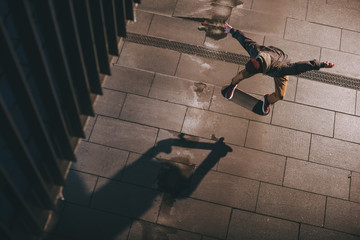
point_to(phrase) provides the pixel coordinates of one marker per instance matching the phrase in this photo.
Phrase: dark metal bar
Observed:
(15, 197)
(17, 146)
(120, 17)
(129, 9)
(40, 71)
(100, 35)
(69, 31)
(111, 29)
(86, 35)
(18, 84)
(61, 69)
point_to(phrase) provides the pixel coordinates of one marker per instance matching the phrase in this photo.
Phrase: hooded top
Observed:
(273, 61)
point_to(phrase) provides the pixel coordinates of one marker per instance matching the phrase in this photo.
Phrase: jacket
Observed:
(274, 61)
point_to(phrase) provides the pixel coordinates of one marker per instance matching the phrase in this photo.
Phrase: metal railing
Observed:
(54, 55)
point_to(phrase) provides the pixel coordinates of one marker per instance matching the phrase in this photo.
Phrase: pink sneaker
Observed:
(228, 92)
(266, 105)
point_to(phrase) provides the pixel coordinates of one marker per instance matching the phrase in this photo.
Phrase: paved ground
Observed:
(166, 157)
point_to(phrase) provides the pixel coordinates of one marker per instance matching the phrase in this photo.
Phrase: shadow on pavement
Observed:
(142, 184)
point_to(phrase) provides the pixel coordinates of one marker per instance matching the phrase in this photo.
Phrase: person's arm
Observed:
(248, 44)
(304, 66)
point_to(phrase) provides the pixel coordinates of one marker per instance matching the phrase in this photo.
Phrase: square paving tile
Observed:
(177, 29)
(308, 232)
(126, 200)
(291, 204)
(123, 135)
(137, 56)
(247, 226)
(166, 7)
(130, 80)
(317, 178)
(182, 91)
(207, 124)
(304, 118)
(287, 8)
(153, 112)
(206, 70)
(321, 95)
(355, 187)
(110, 103)
(85, 223)
(239, 192)
(349, 42)
(334, 152)
(254, 164)
(345, 127)
(304, 32)
(196, 216)
(100, 160)
(278, 140)
(343, 216)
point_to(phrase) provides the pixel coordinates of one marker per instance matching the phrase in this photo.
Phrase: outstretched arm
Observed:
(304, 66)
(248, 44)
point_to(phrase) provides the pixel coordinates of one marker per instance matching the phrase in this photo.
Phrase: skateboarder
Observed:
(271, 61)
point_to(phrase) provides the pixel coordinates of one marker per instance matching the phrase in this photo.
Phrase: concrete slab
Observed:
(144, 230)
(165, 7)
(278, 140)
(78, 222)
(195, 216)
(300, 206)
(130, 80)
(305, 32)
(182, 91)
(317, 178)
(100, 160)
(258, 22)
(240, 192)
(123, 135)
(126, 200)
(206, 70)
(142, 170)
(206, 124)
(153, 112)
(349, 42)
(287, 8)
(177, 29)
(304, 118)
(80, 187)
(136, 56)
(110, 103)
(343, 216)
(334, 152)
(344, 127)
(332, 15)
(308, 232)
(246, 225)
(322, 95)
(254, 164)
(142, 24)
(355, 187)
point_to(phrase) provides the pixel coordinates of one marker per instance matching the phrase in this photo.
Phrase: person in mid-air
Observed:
(270, 61)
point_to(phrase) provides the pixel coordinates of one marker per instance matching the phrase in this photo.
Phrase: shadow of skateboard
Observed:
(247, 101)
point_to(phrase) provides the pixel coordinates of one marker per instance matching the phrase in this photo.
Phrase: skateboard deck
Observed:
(247, 101)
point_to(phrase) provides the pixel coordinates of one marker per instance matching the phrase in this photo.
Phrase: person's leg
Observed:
(280, 89)
(228, 91)
(243, 74)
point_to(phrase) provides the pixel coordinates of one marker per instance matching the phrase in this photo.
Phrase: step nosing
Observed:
(324, 77)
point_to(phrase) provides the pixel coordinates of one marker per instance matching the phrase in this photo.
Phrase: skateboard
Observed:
(247, 101)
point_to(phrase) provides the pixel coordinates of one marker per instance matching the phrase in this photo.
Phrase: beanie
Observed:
(253, 66)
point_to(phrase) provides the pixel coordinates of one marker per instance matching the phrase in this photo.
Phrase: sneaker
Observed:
(228, 92)
(266, 105)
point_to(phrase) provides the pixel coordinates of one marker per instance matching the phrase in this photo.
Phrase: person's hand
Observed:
(328, 64)
(227, 27)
